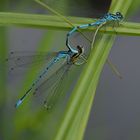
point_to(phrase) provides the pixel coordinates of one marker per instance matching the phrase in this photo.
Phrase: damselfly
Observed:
(105, 20)
(102, 21)
(109, 17)
(67, 58)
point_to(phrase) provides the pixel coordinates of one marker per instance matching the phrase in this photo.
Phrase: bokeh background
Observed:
(115, 113)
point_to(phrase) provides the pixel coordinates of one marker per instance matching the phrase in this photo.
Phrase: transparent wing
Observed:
(51, 89)
(86, 39)
(22, 60)
(53, 6)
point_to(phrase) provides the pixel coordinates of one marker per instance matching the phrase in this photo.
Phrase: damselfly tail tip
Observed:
(18, 103)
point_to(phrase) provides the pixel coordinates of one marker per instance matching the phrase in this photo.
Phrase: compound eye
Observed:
(118, 13)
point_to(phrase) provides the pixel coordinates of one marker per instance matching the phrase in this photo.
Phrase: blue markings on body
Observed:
(117, 17)
(72, 52)
(60, 55)
(18, 103)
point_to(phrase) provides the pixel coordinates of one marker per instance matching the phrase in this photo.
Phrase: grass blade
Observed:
(54, 22)
(78, 109)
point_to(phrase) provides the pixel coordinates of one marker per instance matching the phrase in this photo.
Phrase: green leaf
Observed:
(54, 22)
(76, 116)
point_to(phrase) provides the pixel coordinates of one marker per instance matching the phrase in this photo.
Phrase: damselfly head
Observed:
(119, 15)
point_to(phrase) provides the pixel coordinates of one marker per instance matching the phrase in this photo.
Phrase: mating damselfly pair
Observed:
(75, 55)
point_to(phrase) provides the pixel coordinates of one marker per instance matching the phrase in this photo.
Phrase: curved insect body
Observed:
(117, 17)
(68, 56)
(73, 54)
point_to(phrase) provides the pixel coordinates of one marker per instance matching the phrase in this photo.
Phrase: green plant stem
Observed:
(82, 97)
(54, 22)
